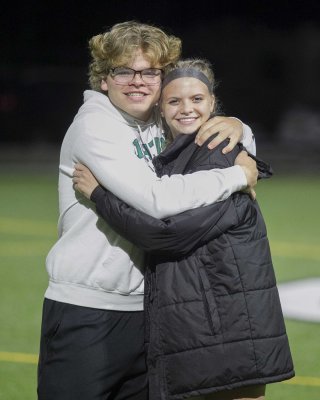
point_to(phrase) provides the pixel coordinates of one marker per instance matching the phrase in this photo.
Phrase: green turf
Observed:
(28, 218)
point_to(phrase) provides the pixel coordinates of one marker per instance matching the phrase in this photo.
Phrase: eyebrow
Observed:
(194, 95)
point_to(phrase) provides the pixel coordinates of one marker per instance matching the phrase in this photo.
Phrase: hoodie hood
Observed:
(147, 132)
(115, 112)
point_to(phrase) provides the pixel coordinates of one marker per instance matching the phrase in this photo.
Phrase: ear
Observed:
(213, 102)
(104, 85)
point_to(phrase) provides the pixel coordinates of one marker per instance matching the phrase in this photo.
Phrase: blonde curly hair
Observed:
(118, 47)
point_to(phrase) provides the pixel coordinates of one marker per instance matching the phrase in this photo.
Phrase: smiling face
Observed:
(135, 98)
(186, 104)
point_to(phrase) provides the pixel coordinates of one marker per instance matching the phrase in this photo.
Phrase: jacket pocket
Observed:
(209, 303)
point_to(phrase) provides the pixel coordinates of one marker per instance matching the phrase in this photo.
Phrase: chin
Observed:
(139, 114)
(190, 130)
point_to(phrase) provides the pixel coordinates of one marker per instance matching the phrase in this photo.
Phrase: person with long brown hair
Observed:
(214, 324)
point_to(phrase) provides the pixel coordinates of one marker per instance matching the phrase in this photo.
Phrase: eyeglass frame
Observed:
(111, 71)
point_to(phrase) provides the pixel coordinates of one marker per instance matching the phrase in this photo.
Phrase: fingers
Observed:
(249, 167)
(78, 166)
(252, 194)
(225, 128)
(80, 170)
(224, 133)
(75, 181)
(221, 137)
(83, 180)
(230, 146)
(211, 127)
(79, 184)
(77, 170)
(77, 176)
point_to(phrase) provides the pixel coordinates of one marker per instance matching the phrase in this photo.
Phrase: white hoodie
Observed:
(91, 265)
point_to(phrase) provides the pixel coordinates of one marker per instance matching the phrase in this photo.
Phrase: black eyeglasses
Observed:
(124, 75)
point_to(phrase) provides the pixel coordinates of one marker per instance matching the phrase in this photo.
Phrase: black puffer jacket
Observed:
(213, 315)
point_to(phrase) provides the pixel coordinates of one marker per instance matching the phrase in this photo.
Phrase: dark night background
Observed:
(266, 57)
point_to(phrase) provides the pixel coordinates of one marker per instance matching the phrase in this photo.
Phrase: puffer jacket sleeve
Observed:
(180, 234)
(177, 235)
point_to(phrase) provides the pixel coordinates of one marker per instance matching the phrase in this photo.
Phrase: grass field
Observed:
(28, 217)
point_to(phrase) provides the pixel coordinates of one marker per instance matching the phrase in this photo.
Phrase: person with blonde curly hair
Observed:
(92, 334)
(114, 48)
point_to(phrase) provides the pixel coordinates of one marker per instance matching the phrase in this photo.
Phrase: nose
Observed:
(186, 107)
(137, 79)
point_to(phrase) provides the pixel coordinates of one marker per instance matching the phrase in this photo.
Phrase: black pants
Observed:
(88, 354)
